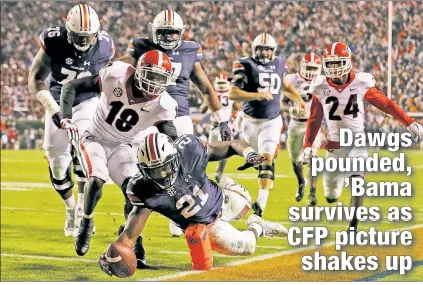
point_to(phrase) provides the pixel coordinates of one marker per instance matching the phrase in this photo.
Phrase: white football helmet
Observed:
(221, 82)
(158, 159)
(167, 29)
(264, 40)
(82, 25)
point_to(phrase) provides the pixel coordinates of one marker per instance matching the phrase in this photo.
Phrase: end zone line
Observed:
(259, 258)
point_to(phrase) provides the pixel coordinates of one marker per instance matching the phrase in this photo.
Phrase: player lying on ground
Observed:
(339, 97)
(132, 100)
(258, 82)
(73, 50)
(173, 182)
(310, 67)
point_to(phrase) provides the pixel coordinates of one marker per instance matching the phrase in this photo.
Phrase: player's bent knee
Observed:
(63, 185)
(266, 171)
(95, 183)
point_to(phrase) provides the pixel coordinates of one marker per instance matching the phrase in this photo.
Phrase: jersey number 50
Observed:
(269, 82)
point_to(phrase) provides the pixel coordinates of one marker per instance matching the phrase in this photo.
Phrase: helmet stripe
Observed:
(89, 18)
(312, 57)
(151, 146)
(156, 144)
(147, 149)
(264, 38)
(80, 15)
(332, 52)
(169, 16)
(85, 18)
(160, 56)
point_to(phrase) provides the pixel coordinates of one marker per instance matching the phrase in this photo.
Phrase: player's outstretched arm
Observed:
(314, 122)
(134, 225)
(69, 91)
(167, 128)
(39, 71)
(200, 79)
(238, 94)
(128, 59)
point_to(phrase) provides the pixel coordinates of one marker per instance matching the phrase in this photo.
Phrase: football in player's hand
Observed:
(122, 260)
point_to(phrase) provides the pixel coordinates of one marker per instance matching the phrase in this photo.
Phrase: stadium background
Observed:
(225, 31)
(32, 243)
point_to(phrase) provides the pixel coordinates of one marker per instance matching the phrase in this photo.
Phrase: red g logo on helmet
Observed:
(337, 60)
(153, 73)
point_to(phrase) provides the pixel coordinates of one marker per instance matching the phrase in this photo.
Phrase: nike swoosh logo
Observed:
(352, 89)
(145, 110)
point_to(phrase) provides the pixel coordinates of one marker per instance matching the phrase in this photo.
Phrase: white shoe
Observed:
(70, 229)
(79, 214)
(174, 230)
(269, 228)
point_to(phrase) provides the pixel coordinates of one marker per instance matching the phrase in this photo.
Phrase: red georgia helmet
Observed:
(340, 54)
(221, 82)
(153, 73)
(310, 66)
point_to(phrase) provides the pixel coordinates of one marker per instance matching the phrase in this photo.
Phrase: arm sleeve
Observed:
(383, 103)
(199, 54)
(167, 128)
(314, 122)
(131, 190)
(69, 91)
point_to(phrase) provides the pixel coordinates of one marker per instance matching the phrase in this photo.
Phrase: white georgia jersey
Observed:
(343, 106)
(303, 87)
(227, 105)
(120, 116)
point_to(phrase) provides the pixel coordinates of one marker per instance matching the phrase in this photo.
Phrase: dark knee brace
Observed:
(62, 186)
(266, 168)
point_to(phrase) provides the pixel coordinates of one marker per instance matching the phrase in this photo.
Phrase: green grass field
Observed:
(34, 248)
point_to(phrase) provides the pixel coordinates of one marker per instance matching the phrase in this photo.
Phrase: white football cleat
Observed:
(174, 230)
(79, 214)
(269, 228)
(70, 229)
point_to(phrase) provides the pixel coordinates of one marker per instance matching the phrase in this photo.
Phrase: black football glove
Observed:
(56, 119)
(225, 131)
(104, 264)
(252, 159)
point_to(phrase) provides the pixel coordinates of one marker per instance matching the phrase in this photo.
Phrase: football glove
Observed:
(306, 155)
(252, 159)
(416, 130)
(104, 264)
(71, 129)
(225, 131)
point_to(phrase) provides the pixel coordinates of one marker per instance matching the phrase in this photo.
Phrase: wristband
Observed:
(220, 116)
(44, 96)
(247, 151)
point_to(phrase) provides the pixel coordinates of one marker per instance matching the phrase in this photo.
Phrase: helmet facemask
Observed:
(163, 174)
(81, 41)
(264, 54)
(336, 67)
(310, 70)
(168, 39)
(221, 85)
(152, 80)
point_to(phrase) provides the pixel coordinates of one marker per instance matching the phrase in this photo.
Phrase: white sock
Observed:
(256, 228)
(88, 216)
(70, 203)
(80, 200)
(262, 197)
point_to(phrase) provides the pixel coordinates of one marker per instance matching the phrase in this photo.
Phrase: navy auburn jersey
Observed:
(183, 59)
(261, 77)
(192, 199)
(67, 63)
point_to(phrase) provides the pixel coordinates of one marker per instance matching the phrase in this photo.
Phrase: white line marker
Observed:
(49, 257)
(187, 253)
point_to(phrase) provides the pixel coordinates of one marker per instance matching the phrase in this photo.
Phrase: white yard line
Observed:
(257, 258)
(187, 253)
(49, 257)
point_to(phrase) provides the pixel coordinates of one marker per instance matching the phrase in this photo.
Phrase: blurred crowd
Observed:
(225, 30)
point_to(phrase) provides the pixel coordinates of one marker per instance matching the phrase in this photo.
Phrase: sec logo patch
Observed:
(117, 92)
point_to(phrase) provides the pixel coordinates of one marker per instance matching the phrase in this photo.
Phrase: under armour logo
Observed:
(272, 67)
(175, 52)
(87, 63)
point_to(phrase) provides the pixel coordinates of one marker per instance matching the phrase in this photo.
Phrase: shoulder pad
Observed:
(316, 82)
(118, 69)
(50, 39)
(239, 65)
(141, 42)
(167, 102)
(367, 79)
